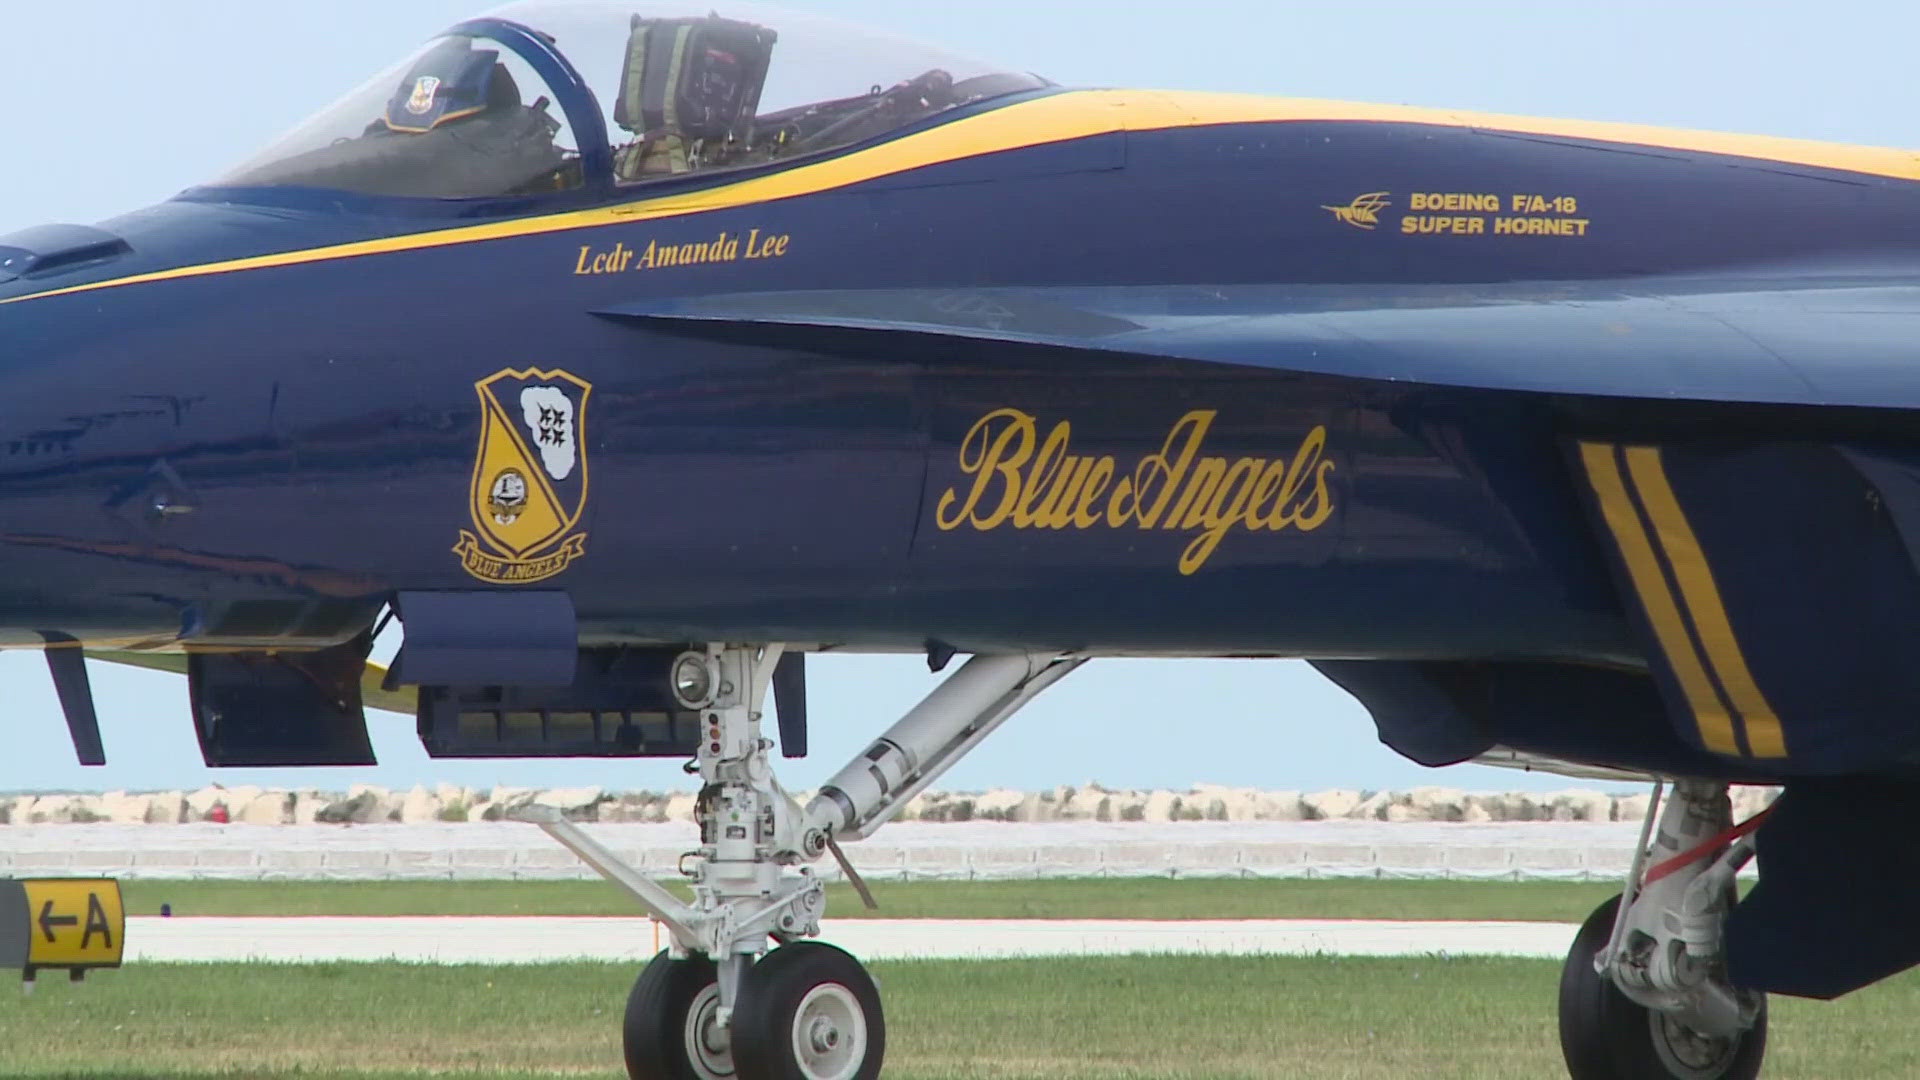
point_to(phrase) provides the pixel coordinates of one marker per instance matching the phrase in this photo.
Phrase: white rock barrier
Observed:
(368, 805)
(910, 851)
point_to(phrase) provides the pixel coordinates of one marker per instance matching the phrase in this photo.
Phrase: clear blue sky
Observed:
(119, 103)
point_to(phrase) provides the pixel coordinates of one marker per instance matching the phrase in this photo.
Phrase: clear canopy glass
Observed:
(671, 88)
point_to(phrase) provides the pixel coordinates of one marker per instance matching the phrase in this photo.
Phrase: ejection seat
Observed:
(688, 93)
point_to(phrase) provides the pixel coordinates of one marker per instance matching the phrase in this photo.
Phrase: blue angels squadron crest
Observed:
(529, 485)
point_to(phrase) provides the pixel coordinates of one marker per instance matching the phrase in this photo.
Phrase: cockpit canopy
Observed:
(553, 96)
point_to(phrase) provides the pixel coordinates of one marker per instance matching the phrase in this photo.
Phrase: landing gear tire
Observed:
(808, 1011)
(1607, 1036)
(671, 1030)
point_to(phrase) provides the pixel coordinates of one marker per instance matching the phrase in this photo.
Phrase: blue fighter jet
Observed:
(630, 353)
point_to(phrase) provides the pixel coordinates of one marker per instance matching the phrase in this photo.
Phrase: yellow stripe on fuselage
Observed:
(1701, 595)
(1209, 109)
(1052, 119)
(1643, 568)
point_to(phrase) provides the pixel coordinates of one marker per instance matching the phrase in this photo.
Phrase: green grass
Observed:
(1173, 1018)
(1111, 898)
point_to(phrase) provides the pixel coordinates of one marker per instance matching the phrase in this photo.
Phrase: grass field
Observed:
(1432, 1019)
(1111, 898)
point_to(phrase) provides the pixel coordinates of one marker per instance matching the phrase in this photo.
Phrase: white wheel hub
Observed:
(1687, 1053)
(708, 1048)
(829, 1033)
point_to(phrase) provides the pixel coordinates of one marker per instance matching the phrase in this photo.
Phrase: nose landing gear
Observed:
(718, 1003)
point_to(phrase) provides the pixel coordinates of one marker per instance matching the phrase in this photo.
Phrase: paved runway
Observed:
(525, 940)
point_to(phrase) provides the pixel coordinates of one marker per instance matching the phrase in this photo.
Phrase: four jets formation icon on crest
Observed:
(529, 477)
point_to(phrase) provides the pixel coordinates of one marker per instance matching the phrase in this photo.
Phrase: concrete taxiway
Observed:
(526, 940)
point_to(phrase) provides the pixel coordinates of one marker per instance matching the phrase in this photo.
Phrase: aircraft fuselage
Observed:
(309, 420)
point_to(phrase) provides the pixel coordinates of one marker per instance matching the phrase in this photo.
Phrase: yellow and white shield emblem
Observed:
(420, 102)
(529, 477)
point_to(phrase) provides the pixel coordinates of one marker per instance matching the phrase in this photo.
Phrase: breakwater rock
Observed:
(368, 805)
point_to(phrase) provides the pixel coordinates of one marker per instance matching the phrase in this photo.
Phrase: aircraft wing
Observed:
(1837, 338)
(1755, 647)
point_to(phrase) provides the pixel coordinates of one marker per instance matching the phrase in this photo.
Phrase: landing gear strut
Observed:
(721, 1002)
(1644, 994)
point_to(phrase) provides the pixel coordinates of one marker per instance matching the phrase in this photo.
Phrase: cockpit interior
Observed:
(547, 97)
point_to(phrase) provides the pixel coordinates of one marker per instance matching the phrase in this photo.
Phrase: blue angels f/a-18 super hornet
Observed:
(627, 355)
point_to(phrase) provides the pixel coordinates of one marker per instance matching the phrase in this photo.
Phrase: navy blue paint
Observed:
(260, 709)
(1446, 712)
(44, 249)
(487, 637)
(68, 667)
(1819, 868)
(1824, 608)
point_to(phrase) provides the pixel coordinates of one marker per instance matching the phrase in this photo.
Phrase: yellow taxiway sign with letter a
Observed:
(63, 923)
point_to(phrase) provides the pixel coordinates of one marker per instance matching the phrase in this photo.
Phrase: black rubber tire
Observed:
(1604, 1035)
(654, 1033)
(770, 999)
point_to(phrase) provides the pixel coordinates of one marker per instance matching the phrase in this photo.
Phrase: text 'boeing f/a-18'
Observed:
(627, 356)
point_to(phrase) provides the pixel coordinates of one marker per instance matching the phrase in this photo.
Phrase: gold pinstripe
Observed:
(1058, 118)
(1701, 596)
(1709, 715)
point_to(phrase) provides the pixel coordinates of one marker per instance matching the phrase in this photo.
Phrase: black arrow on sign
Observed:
(48, 920)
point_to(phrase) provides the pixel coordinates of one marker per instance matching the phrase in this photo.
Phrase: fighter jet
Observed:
(629, 353)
